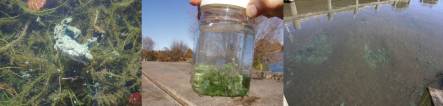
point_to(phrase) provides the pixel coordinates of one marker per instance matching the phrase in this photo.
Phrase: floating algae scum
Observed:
(373, 52)
(69, 52)
(65, 36)
(316, 52)
(376, 58)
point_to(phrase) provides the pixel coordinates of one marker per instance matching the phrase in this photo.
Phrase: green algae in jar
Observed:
(224, 49)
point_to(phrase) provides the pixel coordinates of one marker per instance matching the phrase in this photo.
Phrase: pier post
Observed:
(293, 8)
(330, 10)
(356, 9)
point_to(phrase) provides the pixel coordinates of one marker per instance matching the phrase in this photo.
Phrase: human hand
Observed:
(268, 8)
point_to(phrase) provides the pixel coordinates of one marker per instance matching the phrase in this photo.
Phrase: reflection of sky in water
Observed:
(379, 55)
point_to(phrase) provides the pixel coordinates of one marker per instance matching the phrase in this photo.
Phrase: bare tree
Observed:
(268, 42)
(178, 51)
(148, 43)
(148, 49)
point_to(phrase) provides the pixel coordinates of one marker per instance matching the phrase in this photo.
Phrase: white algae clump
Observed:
(65, 41)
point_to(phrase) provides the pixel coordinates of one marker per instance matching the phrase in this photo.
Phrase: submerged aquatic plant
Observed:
(315, 52)
(376, 58)
(226, 81)
(36, 69)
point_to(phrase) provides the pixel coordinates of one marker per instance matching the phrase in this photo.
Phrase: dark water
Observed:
(382, 53)
(70, 52)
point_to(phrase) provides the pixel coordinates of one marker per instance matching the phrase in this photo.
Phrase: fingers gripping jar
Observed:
(224, 49)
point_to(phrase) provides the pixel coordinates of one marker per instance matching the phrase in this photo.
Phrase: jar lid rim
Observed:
(240, 3)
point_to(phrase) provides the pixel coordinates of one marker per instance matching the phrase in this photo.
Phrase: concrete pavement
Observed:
(168, 84)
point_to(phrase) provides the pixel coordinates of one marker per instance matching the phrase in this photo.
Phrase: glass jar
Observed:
(224, 51)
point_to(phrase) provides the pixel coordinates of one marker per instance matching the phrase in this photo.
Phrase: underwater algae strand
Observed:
(69, 52)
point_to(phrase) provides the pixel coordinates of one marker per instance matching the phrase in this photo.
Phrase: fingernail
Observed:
(251, 11)
(195, 2)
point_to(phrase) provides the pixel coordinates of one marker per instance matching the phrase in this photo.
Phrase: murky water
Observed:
(70, 52)
(379, 53)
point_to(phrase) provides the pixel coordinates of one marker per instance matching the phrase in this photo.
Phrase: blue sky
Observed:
(168, 20)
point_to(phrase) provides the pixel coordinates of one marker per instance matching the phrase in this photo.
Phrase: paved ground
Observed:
(168, 84)
(154, 95)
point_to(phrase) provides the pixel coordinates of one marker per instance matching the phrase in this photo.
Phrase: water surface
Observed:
(362, 52)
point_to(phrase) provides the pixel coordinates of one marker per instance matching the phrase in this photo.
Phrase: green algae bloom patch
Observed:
(315, 52)
(376, 58)
(225, 81)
